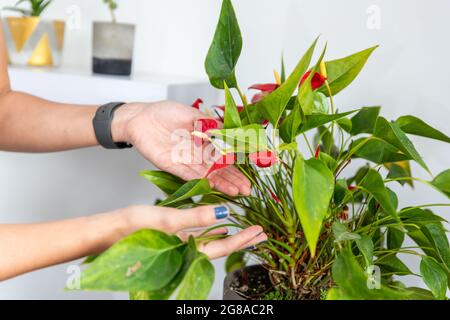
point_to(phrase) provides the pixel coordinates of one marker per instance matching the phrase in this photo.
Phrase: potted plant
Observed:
(113, 45)
(32, 40)
(331, 235)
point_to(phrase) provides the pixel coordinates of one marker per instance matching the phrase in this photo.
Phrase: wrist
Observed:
(120, 126)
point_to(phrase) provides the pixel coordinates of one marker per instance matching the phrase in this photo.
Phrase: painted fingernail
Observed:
(251, 248)
(221, 212)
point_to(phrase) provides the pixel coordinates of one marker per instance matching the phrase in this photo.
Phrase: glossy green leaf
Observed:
(354, 282)
(415, 126)
(401, 169)
(442, 182)
(231, 117)
(235, 261)
(250, 138)
(390, 263)
(167, 182)
(144, 261)
(373, 184)
(273, 105)
(188, 190)
(341, 233)
(290, 125)
(342, 72)
(434, 277)
(394, 238)
(365, 246)
(345, 124)
(316, 120)
(313, 185)
(377, 150)
(225, 49)
(364, 121)
(306, 93)
(391, 133)
(320, 103)
(198, 281)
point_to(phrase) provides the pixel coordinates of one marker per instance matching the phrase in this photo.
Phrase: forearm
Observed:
(25, 248)
(31, 124)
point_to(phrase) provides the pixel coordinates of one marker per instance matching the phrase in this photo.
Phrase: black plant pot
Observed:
(113, 46)
(249, 283)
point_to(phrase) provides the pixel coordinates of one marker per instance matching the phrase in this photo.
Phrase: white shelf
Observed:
(81, 86)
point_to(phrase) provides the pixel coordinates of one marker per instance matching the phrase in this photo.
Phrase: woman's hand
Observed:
(156, 129)
(182, 223)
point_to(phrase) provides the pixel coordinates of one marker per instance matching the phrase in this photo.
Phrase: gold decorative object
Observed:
(33, 41)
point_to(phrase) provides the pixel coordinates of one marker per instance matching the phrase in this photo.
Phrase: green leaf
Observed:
(320, 103)
(235, 261)
(395, 238)
(391, 133)
(345, 124)
(306, 93)
(401, 169)
(415, 126)
(231, 116)
(434, 277)
(341, 233)
(316, 120)
(225, 49)
(364, 121)
(353, 281)
(373, 184)
(313, 185)
(248, 139)
(167, 182)
(188, 190)
(391, 264)
(290, 125)
(273, 105)
(198, 280)
(377, 150)
(343, 71)
(365, 245)
(146, 260)
(442, 182)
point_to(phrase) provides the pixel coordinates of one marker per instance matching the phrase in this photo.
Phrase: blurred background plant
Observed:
(35, 7)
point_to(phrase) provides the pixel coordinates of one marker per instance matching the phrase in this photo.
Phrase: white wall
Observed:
(407, 74)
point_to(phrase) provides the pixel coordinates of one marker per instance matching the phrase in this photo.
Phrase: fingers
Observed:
(230, 181)
(184, 235)
(246, 238)
(204, 216)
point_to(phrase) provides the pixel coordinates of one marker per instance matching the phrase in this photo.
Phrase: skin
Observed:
(31, 124)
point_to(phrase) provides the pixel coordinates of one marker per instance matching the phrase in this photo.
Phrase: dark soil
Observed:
(253, 283)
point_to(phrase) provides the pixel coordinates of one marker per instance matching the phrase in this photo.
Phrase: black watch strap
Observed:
(102, 126)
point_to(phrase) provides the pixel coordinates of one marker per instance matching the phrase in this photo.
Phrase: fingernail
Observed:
(221, 212)
(251, 248)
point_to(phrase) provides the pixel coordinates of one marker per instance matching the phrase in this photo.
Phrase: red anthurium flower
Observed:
(316, 155)
(266, 87)
(239, 108)
(197, 103)
(351, 188)
(317, 80)
(223, 162)
(274, 196)
(263, 159)
(203, 125)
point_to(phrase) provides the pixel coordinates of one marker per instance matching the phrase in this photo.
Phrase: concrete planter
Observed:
(33, 41)
(113, 46)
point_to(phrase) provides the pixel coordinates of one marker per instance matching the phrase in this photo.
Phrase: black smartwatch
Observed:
(102, 126)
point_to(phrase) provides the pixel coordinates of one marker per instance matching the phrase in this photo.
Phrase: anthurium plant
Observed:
(331, 235)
